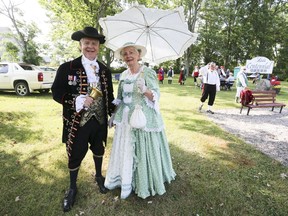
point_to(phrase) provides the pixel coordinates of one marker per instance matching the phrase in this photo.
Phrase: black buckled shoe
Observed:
(100, 182)
(69, 199)
(210, 111)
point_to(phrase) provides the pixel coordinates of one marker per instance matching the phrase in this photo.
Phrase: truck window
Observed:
(3, 68)
(26, 67)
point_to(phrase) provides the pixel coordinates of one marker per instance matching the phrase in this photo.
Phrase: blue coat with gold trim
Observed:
(70, 82)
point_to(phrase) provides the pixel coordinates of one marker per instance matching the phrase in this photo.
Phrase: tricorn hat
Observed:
(89, 32)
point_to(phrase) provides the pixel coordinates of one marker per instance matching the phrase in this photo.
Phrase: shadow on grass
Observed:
(237, 180)
(203, 185)
(15, 126)
(26, 188)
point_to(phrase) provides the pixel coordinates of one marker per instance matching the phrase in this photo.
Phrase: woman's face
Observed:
(89, 47)
(130, 55)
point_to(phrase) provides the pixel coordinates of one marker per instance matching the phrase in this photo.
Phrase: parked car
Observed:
(46, 68)
(25, 78)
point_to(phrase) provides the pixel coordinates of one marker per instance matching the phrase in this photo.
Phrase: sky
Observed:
(32, 12)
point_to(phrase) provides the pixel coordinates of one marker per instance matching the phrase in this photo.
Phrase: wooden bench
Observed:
(263, 99)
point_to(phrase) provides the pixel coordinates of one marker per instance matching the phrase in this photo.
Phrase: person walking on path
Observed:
(211, 86)
(84, 88)
(140, 158)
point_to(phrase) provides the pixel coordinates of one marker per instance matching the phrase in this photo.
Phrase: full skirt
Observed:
(140, 161)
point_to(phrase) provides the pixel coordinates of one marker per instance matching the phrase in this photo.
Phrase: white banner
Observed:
(260, 65)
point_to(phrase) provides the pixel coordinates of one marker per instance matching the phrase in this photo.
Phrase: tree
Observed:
(230, 31)
(233, 31)
(281, 50)
(191, 10)
(71, 15)
(11, 52)
(26, 32)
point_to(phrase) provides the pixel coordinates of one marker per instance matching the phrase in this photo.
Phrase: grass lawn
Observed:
(217, 173)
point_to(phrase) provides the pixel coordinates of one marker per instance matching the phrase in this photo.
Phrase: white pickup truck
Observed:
(24, 78)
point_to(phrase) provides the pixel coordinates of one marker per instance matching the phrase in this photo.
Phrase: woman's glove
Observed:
(141, 85)
(110, 121)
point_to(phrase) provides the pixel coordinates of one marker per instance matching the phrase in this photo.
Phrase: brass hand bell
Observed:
(95, 93)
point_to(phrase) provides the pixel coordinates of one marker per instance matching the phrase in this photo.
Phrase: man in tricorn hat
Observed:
(84, 88)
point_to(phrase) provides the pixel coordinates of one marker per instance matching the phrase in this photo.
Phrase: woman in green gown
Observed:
(140, 159)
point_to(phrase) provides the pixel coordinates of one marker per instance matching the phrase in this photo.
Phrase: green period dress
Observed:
(140, 159)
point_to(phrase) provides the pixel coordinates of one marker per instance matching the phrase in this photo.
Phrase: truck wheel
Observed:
(21, 89)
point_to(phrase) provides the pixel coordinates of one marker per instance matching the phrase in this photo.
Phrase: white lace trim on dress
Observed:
(153, 104)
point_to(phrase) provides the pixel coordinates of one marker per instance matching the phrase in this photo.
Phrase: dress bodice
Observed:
(130, 96)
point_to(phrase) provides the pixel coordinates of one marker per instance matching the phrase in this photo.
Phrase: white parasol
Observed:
(164, 33)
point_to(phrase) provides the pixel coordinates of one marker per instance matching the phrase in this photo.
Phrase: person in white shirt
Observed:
(202, 72)
(211, 83)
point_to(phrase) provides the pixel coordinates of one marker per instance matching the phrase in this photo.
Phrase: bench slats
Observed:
(266, 105)
(259, 101)
(263, 99)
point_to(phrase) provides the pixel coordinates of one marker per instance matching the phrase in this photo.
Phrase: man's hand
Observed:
(88, 101)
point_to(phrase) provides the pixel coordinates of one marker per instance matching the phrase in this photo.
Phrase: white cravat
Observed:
(92, 69)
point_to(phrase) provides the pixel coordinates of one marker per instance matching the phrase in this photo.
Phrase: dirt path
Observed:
(270, 129)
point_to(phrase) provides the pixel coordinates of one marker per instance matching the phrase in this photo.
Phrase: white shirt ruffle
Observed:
(92, 77)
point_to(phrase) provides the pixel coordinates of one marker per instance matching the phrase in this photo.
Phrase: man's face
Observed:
(89, 47)
(212, 67)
